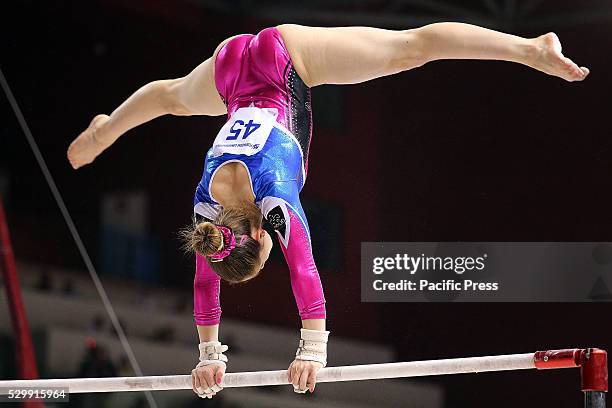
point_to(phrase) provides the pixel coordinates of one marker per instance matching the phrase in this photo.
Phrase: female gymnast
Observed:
(259, 159)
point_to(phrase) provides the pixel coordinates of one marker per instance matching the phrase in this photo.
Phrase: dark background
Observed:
(452, 151)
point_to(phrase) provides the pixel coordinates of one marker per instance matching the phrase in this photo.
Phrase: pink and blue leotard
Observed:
(254, 73)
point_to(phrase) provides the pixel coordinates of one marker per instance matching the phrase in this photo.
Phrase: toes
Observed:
(585, 71)
(579, 74)
(571, 66)
(573, 70)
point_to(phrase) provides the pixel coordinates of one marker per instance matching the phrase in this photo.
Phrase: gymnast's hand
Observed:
(88, 145)
(303, 375)
(310, 357)
(206, 377)
(205, 380)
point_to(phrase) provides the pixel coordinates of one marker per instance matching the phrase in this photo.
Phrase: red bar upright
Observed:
(24, 350)
(594, 370)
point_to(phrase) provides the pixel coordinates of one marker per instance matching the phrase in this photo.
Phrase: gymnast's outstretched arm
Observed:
(349, 55)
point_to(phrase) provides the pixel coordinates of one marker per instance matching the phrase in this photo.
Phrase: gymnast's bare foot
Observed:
(86, 147)
(549, 59)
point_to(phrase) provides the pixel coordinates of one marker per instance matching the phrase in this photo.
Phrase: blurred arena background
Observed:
(452, 151)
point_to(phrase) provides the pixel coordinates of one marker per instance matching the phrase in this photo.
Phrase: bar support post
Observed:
(594, 375)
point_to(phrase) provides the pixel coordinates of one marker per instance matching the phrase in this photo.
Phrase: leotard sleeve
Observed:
(284, 212)
(206, 290)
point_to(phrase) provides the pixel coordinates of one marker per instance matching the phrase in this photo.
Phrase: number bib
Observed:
(246, 132)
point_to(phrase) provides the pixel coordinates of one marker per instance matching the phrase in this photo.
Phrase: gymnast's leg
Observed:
(193, 94)
(349, 55)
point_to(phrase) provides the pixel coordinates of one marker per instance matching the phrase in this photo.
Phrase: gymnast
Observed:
(258, 162)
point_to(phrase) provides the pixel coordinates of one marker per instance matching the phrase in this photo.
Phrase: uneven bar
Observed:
(592, 362)
(262, 378)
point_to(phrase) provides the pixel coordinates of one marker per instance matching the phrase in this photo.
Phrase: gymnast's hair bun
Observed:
(204, 238)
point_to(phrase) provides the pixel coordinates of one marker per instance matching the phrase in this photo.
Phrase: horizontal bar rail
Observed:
(595, 376)
(279, 377)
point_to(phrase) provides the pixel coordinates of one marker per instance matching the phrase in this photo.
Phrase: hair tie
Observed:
(229, 243)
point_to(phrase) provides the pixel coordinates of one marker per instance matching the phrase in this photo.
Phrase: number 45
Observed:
(239, 126)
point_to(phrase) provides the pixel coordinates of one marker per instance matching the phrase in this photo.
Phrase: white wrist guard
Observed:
(313, 346)
(211, 352)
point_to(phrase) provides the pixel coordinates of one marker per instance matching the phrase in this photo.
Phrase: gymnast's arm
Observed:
(194, 94)
(207, 313)
(284, 212)
(288, 219)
